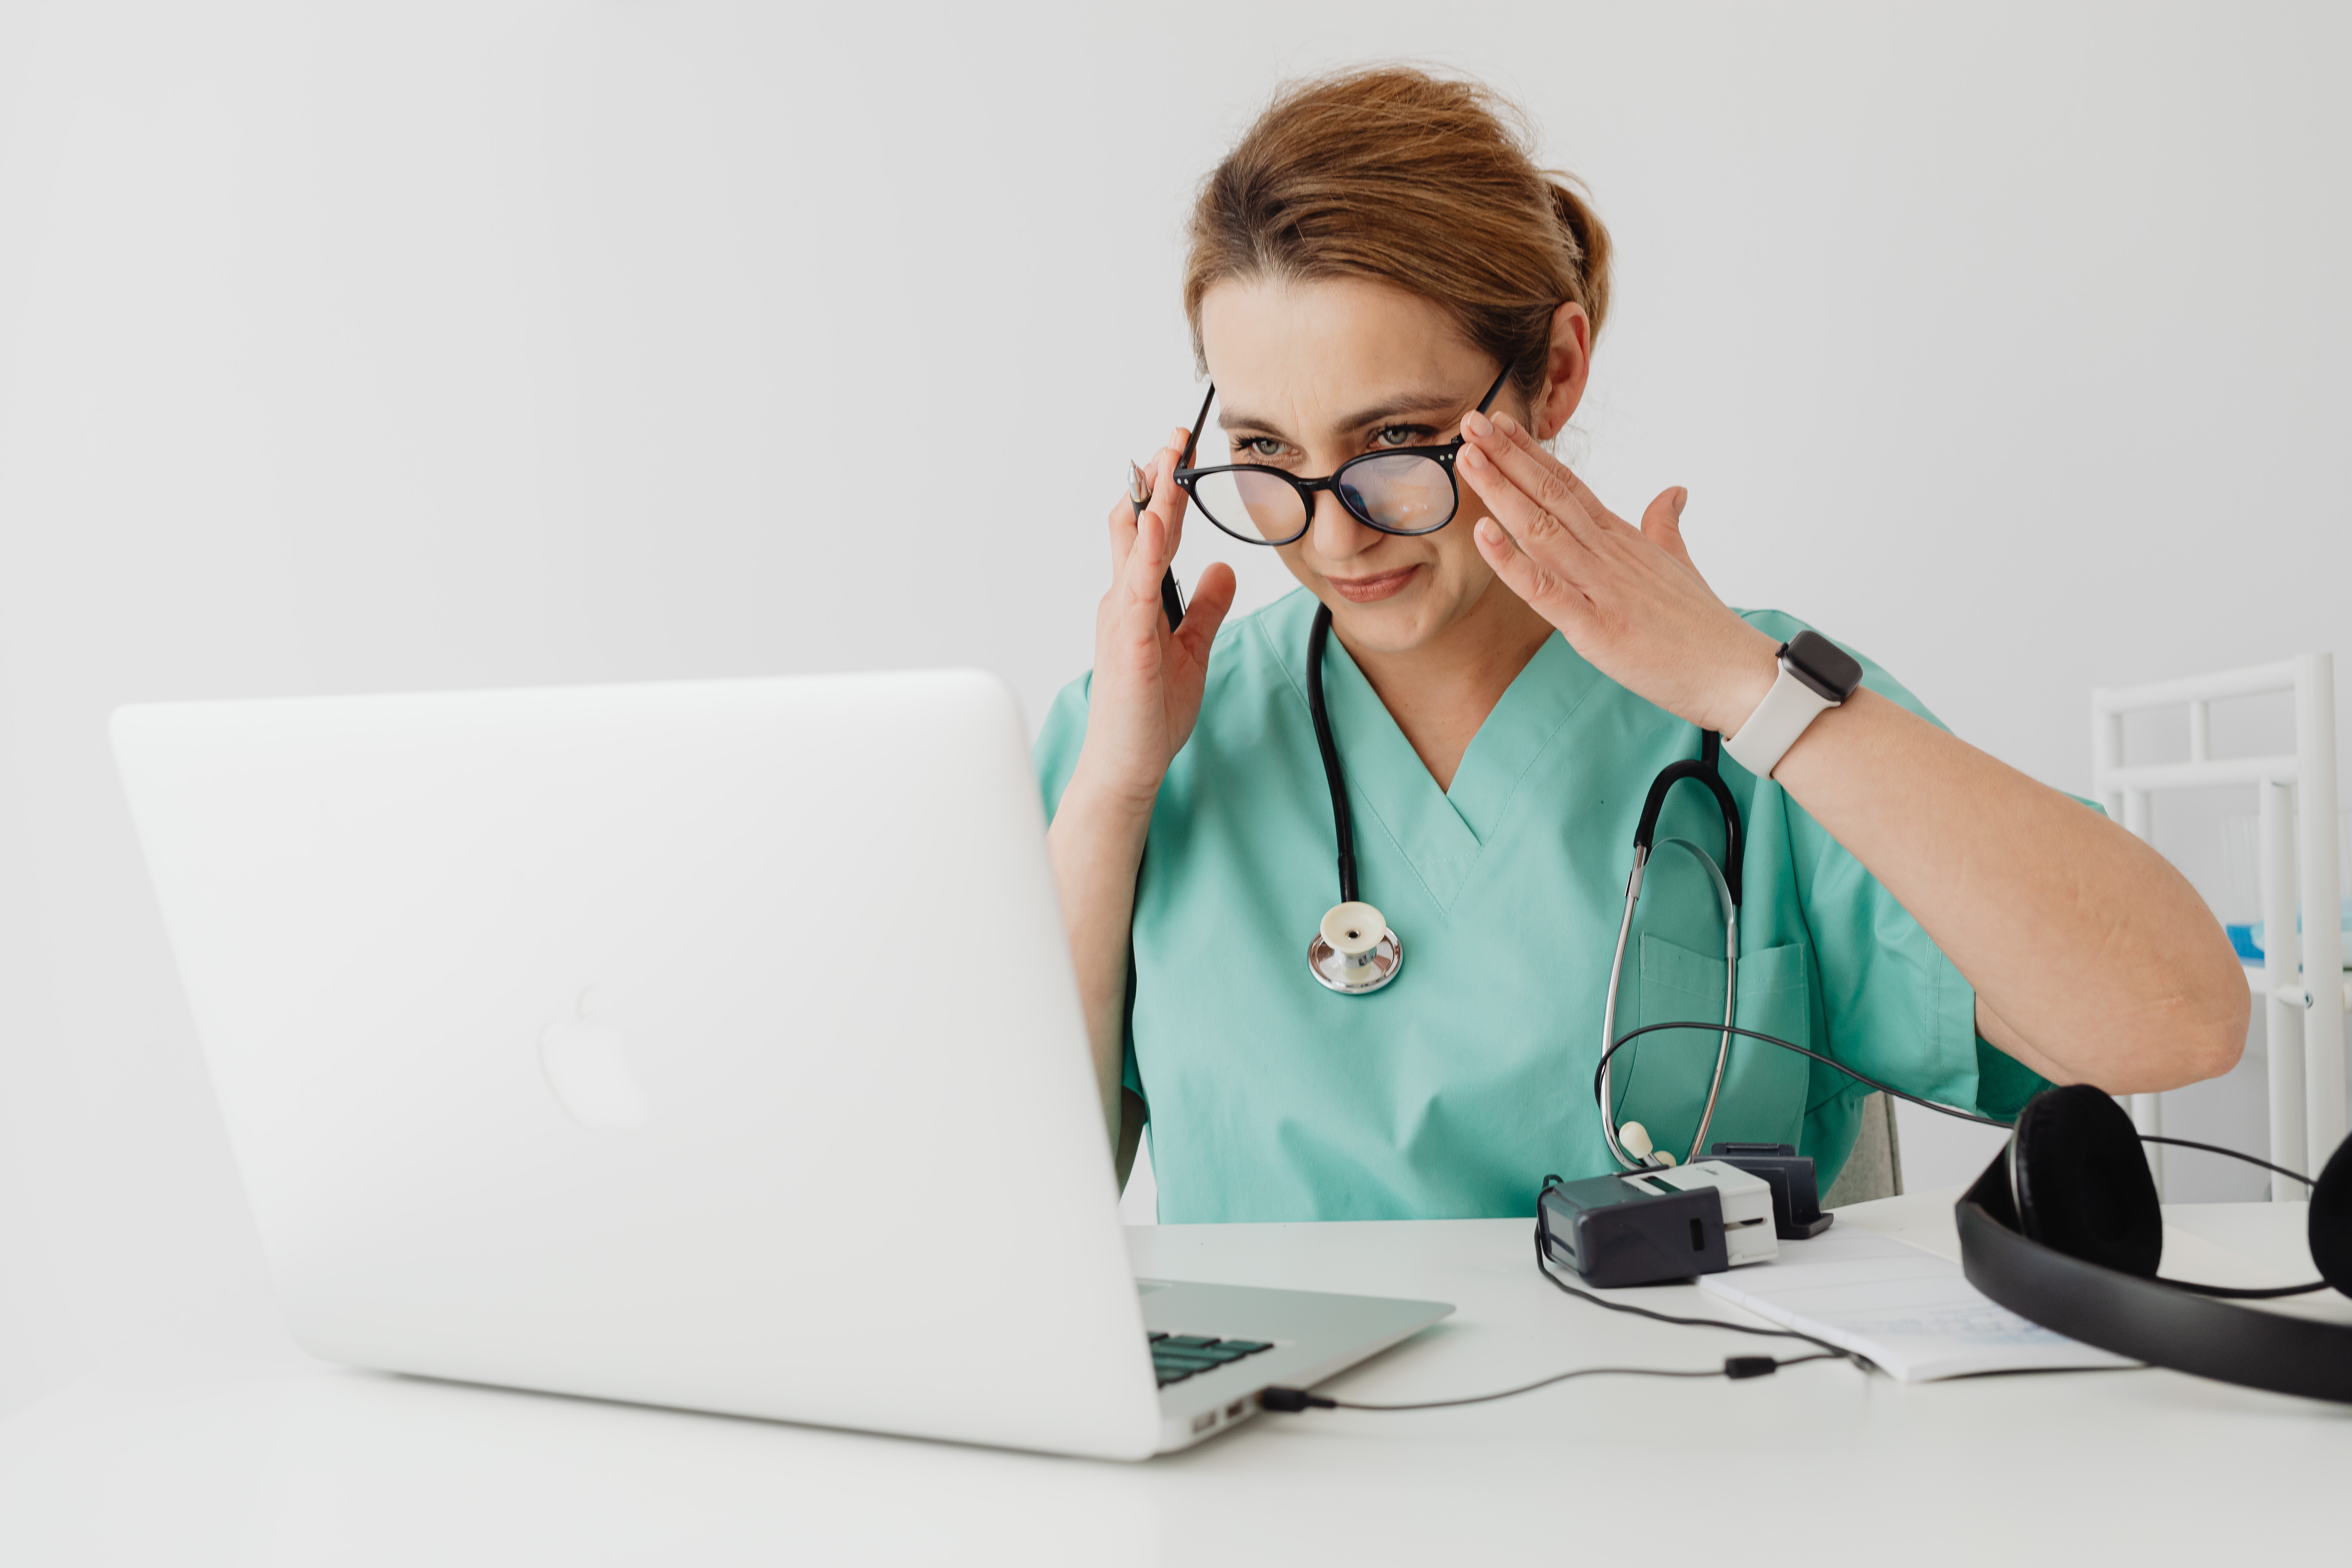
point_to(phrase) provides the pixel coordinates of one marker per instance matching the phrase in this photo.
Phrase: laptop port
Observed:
(1204, 1421)
(1234, 1411)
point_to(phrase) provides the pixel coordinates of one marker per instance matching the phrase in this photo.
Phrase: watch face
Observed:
(1821, 665)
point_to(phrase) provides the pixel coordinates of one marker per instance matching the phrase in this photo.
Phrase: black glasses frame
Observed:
(1188, 476)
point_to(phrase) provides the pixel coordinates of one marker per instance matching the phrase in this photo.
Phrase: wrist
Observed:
(1804, 748)
(1740, 687)
(1114, 794)
(1814, 677)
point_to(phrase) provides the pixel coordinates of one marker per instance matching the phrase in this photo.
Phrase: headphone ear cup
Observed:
(2082, 1184)
(2331, 1220)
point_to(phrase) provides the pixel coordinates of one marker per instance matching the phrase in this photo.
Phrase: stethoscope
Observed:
(1354, 952)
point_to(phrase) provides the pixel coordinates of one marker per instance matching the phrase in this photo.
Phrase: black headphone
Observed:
(2064, 1228)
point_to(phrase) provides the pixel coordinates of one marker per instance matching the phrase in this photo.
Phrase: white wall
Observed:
(432, 345)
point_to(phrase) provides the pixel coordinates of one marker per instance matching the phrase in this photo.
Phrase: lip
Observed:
(1380, 586)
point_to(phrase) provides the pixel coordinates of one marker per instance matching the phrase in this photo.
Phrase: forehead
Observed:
(1306, 354)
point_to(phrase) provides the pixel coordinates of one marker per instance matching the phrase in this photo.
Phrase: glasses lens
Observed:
(1402, 494)
(1256, 507)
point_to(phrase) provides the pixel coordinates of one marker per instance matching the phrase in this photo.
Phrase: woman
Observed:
(1373, 256)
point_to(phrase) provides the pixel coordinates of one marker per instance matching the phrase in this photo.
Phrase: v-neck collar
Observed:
(1439, 833)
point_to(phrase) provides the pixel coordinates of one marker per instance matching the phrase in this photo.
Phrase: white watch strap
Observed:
(1775, 725)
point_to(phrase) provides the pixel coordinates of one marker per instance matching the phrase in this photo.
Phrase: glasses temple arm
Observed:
(1485, 402)
(1193, 436)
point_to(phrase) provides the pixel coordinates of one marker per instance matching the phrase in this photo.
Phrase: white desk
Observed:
(229, 1446)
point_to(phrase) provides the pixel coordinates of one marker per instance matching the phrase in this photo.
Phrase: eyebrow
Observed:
(1414, 402)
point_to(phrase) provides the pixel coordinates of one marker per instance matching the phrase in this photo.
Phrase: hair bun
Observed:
(1424, 181)
(1592, 244)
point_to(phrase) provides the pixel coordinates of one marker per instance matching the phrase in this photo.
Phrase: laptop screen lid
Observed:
(710, 1045)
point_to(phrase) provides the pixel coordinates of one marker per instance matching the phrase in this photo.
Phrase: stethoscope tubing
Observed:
(1616, 972)
(1704, 769)
(2226, 1292)
(1726, 887)
(1342, 821)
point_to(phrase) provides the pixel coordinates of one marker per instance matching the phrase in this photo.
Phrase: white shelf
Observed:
(2254, 983)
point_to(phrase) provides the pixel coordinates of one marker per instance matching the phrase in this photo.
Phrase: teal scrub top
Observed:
(1454, 1089)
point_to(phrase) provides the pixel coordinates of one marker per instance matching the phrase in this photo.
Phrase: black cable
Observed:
(2222, 1292)
(1290, 1400)
(2230, 1153)
(1736, 1368)
(1543, 1264)
(1721, 1028)
(2239, 1293)
(1718, 1029)
(2235, 1292)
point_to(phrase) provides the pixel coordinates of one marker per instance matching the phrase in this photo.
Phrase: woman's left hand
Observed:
(2125, 982)
(1627, 598)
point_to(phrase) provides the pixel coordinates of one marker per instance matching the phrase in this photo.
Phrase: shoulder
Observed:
(1782, 626)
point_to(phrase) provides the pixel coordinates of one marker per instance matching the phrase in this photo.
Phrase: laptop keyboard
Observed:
(1175, 1357)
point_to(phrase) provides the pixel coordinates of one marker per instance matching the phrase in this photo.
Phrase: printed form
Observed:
(1910, 1311)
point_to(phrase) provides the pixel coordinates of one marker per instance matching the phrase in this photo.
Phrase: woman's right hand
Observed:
(1140, 707)
(1146, 692)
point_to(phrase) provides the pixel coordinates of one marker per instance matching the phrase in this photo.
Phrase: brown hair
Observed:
(1394, 175)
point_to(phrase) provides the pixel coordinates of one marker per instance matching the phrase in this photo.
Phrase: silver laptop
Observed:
(709, 1045)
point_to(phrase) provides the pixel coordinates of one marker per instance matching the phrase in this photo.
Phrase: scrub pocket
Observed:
(1764, 1087)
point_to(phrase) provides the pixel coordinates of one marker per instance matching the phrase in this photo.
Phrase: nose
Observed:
(1337, 533)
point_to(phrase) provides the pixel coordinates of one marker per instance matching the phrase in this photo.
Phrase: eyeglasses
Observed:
(1406, 489)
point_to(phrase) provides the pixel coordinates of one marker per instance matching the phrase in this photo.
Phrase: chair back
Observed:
(1874, 1169)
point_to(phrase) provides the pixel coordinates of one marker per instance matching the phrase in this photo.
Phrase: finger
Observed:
(1534, 528)
(1520, 437)
(1168, 498)
(1663, 526)
(1139, 577)
(1560, 600)
(1552, 483)
(1212, 596)
(1123, 521)
(1544, 476)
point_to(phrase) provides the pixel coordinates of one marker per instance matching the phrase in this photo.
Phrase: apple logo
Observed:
(583, 1058)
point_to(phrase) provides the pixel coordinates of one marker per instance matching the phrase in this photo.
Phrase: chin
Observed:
(1397, 624)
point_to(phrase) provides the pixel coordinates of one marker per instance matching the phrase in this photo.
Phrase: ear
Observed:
(1566, 368)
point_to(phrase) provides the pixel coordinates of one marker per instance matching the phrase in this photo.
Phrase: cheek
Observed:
(1292, 558)
(1458, 561)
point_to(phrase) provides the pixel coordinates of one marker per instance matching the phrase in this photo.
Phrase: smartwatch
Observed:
(1815, 675)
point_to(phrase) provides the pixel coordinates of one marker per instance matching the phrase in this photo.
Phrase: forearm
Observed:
(2092, 959)
(1096, 843)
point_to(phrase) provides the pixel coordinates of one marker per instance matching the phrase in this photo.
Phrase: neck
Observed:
(1440, 692)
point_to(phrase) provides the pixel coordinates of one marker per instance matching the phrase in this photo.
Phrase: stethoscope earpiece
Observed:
(1354, 951)
(1635, 1139)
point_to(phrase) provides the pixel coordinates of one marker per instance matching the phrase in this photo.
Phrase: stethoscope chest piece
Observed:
(1354, 951)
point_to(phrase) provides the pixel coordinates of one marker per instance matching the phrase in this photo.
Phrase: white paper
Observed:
(1913, 1313)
